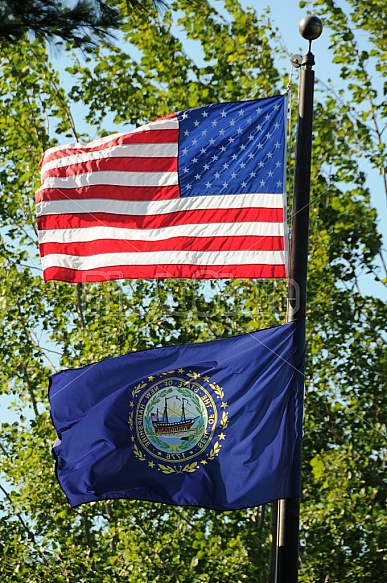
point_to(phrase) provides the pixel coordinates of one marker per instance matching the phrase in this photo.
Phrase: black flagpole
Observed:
(288, 515)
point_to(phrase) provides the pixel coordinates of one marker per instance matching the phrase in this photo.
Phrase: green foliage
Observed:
(49, 326)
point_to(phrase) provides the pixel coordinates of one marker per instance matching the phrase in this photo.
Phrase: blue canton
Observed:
(232, 148)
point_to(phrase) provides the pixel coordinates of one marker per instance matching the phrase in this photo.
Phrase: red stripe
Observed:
(253, 243)
(140, 137)
(130, 164)
(165, 271)
(110, 192)
(79, 221)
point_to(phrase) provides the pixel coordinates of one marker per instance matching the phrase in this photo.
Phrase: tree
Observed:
(84, 23)
(87, 21)
(54, 325)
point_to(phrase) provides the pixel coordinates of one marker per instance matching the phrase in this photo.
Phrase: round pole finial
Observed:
(310, 27)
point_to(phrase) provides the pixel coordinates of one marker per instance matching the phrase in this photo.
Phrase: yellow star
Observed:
(150, 378)
(222, 436)
(151, 464)
(204, 462)
(132, 438)
(131, 404)
(206, 378)
(224, 405)
(181, 370)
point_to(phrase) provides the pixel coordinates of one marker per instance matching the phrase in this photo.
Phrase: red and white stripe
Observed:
(111, 209)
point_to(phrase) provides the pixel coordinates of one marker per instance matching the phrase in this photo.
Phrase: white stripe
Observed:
(112, 178)
(166, 150)
(155, 207)
(200, 258)
(193, 230)
(162, 124)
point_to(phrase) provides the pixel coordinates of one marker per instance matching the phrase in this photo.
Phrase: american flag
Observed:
(196, 194)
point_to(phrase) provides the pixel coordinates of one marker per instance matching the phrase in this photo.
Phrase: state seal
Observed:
(177, 420)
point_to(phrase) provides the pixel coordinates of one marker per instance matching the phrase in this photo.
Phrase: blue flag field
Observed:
(215, 424)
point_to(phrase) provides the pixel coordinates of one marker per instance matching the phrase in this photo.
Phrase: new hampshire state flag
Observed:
(215, 424)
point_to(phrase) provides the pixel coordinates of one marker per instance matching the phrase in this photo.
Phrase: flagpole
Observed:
(288, 514)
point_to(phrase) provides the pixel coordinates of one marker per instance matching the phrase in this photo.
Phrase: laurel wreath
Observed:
(215, 451)
(138, 453)
(217, 390)
(138, 388)
(130, 420)
(193, 375)
(172, 469)
(163, 374)
(224, 420)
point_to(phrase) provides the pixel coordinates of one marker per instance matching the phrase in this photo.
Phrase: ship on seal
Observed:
(163, 425)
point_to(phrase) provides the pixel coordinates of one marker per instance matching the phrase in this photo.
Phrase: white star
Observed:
(225, 166)
(242, 147)
(233, 175)
(223, 148)
(184, 152)
(234, 157)
(261, 164)
(270, 174)
(277, 145)
(204, 114)
(221, 132)
(225, 184)
(214, 157)
(208, 185)
(186, 133)
(206, 167)
(198, 176)
(279, 184)
(277, 126)
(194, 160)
(251, 137)
(196, 123)
(184, 115)
(251, 156)
(277, 106)
(231, 140)
(267, 117)
(269, 154)
(211, 141)
(185, 170)
(232, 122)
(262, 183)
(260, 146)
(253, 174)
(241, 112)
(203, 151)
(242, 165)
(194, 142)
(258, 127)
(204, 132)
(239, 131)
(278, 164)
(217, 175)
(258, 110)
(214, 123)
(268, 136)
(244, 184)
(249, 119)
(223, 114)
(189, 186)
